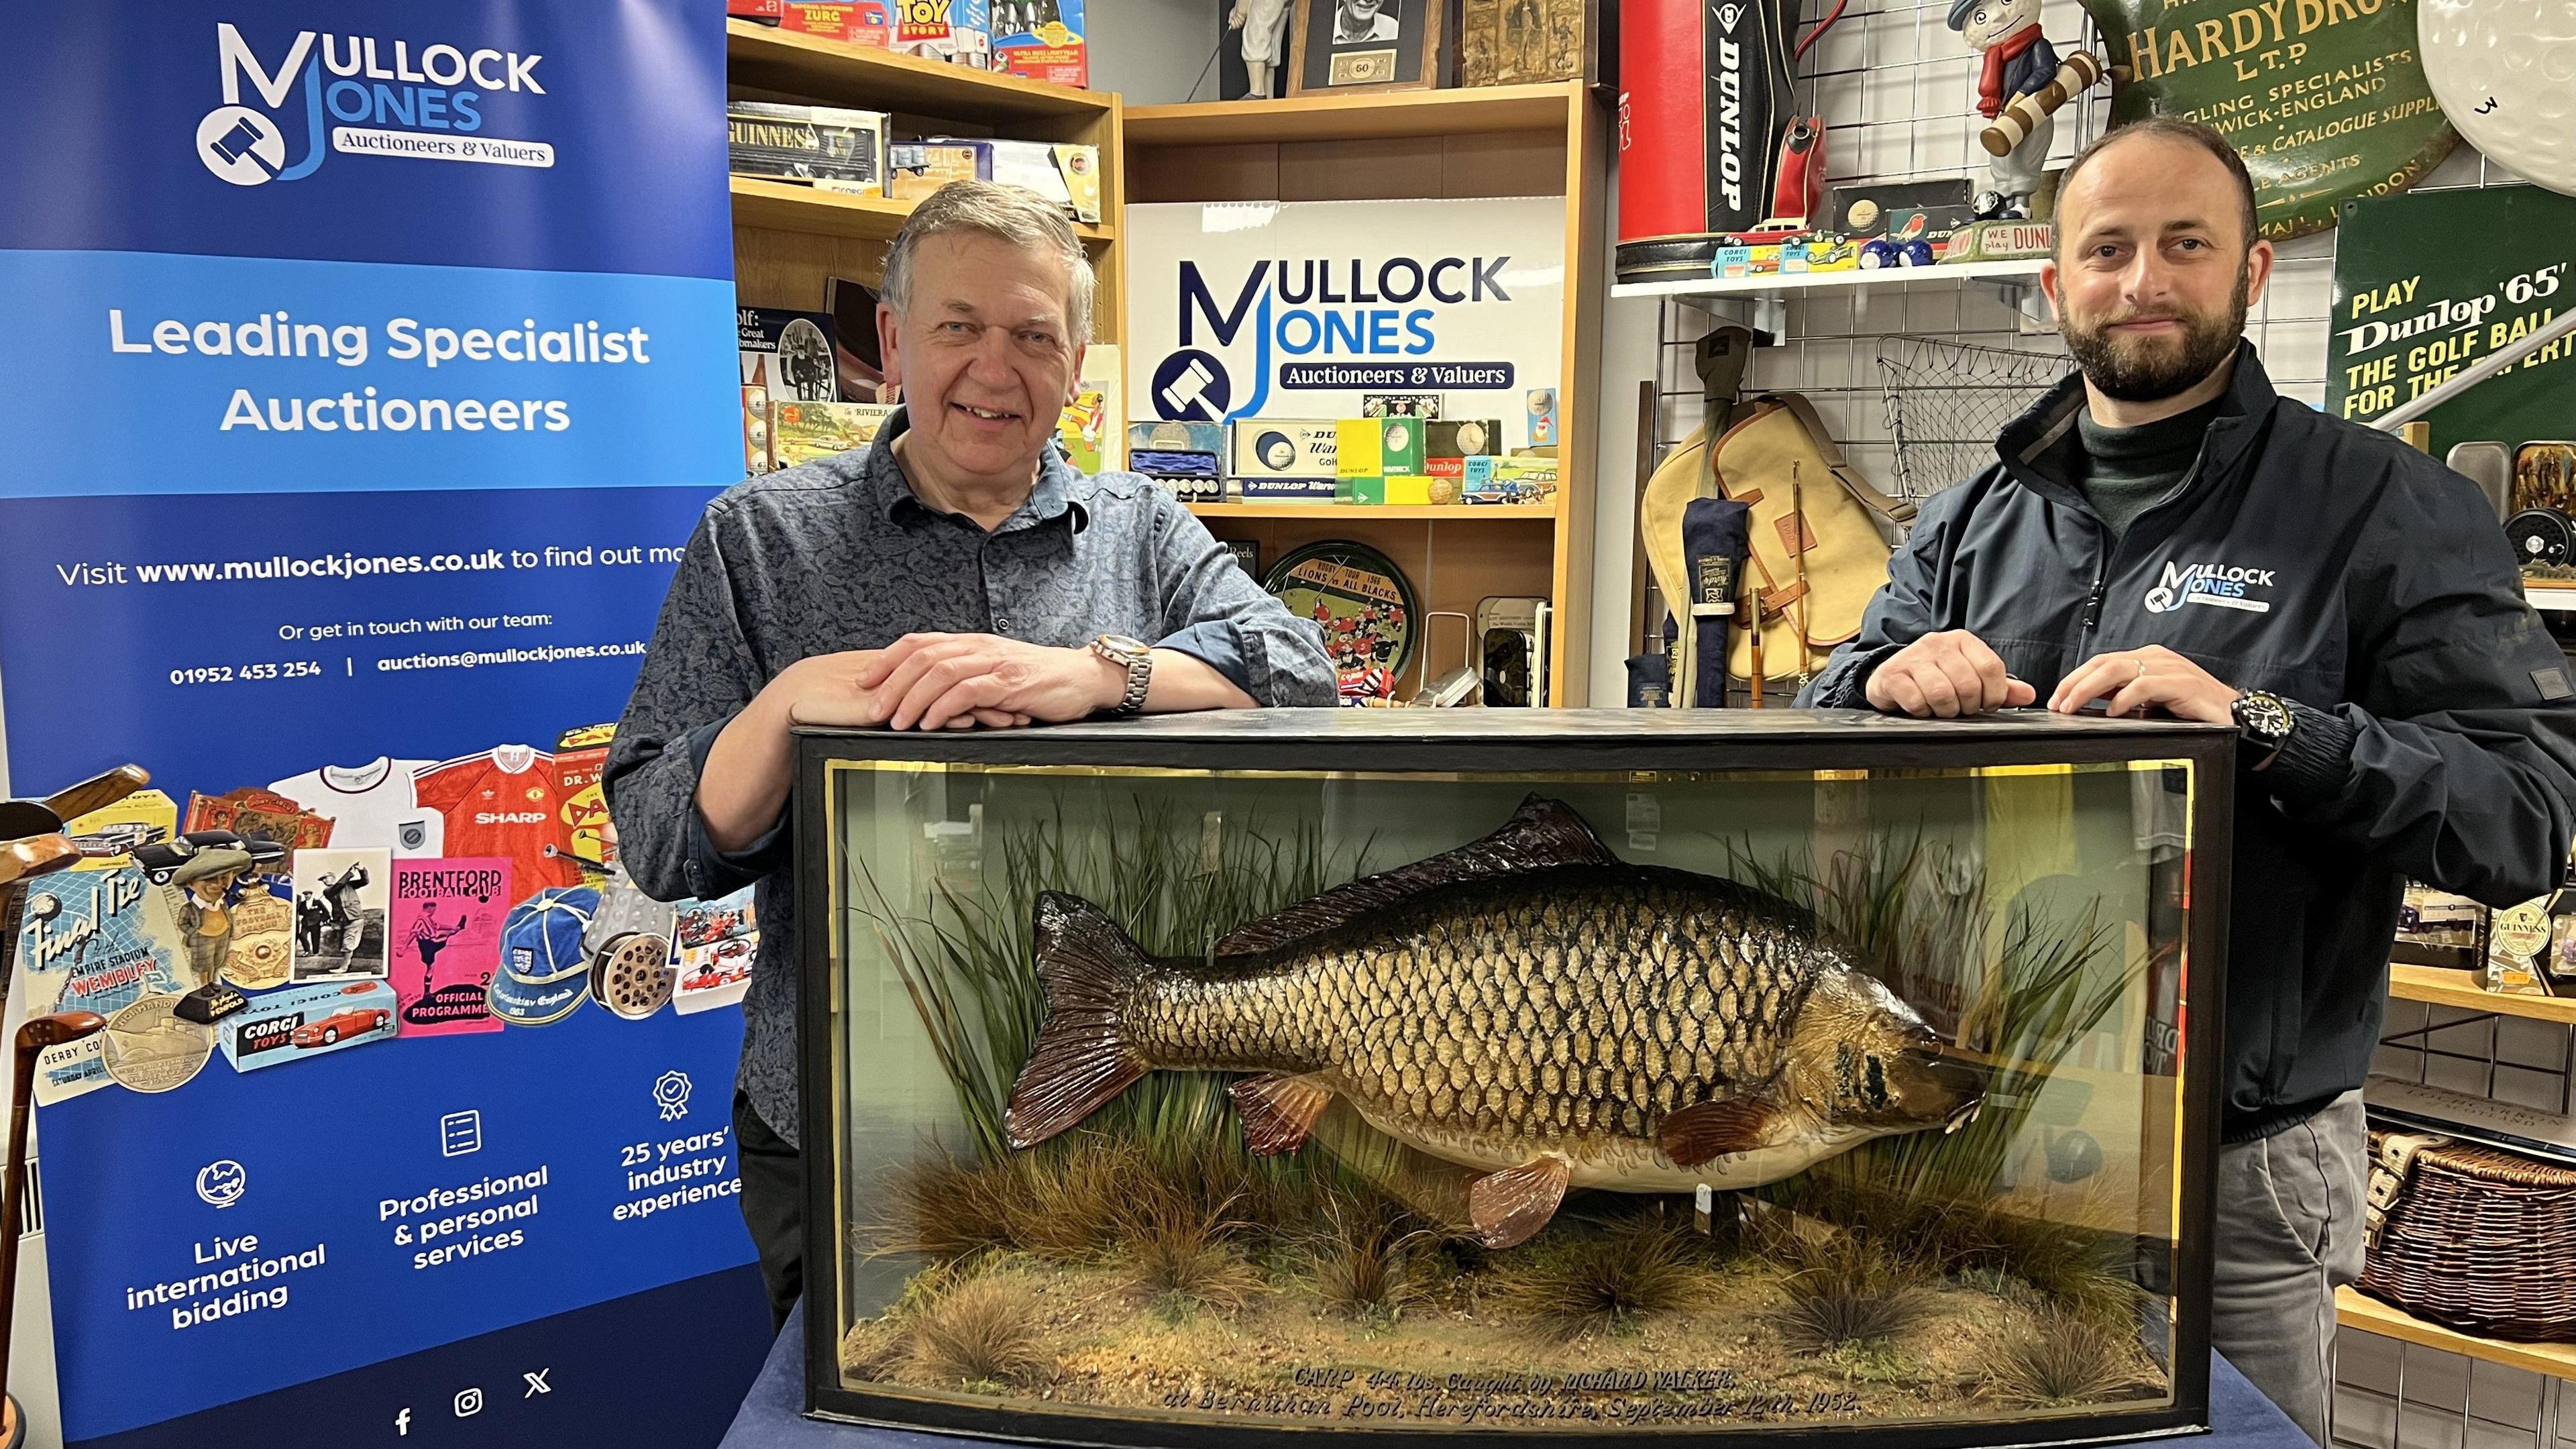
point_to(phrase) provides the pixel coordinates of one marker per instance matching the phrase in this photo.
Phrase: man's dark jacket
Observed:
(2331, 565)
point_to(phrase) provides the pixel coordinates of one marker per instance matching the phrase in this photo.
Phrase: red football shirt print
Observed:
(503, 802)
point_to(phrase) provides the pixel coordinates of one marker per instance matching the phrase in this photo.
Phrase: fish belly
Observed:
(1619, 1164)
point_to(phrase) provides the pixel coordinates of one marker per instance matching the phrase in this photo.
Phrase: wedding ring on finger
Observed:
(2141, 661)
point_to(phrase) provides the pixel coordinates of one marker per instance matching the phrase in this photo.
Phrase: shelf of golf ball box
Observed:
(1529, 140)
(789, 239)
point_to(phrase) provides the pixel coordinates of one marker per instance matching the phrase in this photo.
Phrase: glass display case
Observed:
(1454, 1076)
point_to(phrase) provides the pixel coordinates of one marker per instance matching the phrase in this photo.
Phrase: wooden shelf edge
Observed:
(2355, 1309)
(2439, 987)
(908, 82)
(1411, 512)
(793, 206)
(2546, 594)
(1485, 109)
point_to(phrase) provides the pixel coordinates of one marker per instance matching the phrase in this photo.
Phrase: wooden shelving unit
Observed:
(2460, 988)
(2354, 1309)
(1362, 514)
(1892, 279)
(1532, 140)
(788, 239)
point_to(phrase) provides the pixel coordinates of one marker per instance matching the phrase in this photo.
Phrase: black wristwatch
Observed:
(2264, 721)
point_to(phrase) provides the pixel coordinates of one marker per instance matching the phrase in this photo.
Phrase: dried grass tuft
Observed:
(1370, 1261)
(982, 1331)
(2052, 1359)
(1568, 1286)
(1844, 1290)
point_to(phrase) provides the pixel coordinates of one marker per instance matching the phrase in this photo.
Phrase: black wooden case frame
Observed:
(1448, 741)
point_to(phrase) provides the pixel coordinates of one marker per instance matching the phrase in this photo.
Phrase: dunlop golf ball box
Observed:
(1507, 1003)
(1285, 458)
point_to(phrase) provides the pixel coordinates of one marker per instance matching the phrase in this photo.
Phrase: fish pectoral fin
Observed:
(1279, 1113)
(1510, 1206)
(1707, 1131)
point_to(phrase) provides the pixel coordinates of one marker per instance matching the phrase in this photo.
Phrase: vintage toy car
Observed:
(160, 861)
(329, 1030)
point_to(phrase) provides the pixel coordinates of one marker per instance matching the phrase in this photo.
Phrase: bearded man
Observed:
(2166, 534)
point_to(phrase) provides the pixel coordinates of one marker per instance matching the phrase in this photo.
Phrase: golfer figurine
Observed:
(2019, 61)
(1264, 24)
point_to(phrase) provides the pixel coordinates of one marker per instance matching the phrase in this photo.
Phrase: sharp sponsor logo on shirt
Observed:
(393, 98)
(491, 817)
(2219, 585)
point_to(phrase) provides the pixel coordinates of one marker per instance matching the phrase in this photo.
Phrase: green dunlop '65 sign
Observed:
(2326, 99)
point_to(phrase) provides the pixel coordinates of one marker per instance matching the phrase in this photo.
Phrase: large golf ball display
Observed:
(2505, 73)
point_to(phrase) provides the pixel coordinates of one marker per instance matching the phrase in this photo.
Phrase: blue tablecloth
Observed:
(772, 1416)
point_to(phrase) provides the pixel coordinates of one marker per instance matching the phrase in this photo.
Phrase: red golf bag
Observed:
(1704, 102)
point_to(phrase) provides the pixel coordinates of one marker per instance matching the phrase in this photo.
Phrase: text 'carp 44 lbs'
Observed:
(1528, 1005)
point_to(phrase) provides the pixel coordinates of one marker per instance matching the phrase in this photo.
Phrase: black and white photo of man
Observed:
(1363, 22)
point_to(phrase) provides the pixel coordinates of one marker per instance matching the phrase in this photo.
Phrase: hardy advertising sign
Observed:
(2325, 99)
(1304, 309)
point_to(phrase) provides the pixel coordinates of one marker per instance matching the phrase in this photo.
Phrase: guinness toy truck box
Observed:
(834, 149)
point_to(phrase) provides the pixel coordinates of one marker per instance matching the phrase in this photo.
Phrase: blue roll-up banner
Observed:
(362, 371)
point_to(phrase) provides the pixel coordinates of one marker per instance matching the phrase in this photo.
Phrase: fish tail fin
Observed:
(1082, 1057)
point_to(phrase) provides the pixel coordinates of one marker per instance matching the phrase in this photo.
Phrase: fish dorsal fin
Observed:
(1541, 835)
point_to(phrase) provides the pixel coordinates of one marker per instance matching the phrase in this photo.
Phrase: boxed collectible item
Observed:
(764, 12)
(1390, 447)
(1188, 456)
(957, 31)
(801, 432)
(787, 354)
(836, 149)
(308, 1021)
(755, 432)
(1408, 988)
(1285, 458)
(855, 22)
(1462, 437)
(1042, 39)
(1066, 173)
(1999, 241)
(915, 169)
(1510, 480)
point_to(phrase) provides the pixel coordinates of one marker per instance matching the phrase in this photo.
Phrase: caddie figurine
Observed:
(2019, 61)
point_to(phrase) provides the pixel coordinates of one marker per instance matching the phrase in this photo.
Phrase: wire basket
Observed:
(2483, 1240)
(1946, 402)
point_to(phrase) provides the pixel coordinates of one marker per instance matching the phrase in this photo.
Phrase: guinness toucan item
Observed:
(1706, 96)
(1713, 547)
(2540, 537)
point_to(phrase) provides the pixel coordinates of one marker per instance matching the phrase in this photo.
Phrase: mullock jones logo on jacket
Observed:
(2222, 585)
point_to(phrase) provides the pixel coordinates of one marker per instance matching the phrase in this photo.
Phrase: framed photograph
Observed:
(1516, 42)
(1366, 45)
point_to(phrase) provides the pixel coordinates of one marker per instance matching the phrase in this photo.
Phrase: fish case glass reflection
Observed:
(1600, 1075)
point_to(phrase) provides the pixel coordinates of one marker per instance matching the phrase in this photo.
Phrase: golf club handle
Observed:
(37, 1034)
(99, 793)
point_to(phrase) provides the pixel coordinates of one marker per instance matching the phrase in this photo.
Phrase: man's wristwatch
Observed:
(2265, 721)
(1137, 658)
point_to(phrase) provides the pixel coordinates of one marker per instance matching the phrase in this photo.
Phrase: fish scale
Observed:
(1720, 975)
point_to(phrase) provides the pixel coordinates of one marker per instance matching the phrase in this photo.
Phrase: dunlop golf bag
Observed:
(1704, 100)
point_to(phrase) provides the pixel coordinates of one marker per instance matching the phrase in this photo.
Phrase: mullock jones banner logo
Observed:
(396, 98)
(1328, 325)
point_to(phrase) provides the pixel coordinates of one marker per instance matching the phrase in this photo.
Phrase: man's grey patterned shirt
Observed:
(839, 555)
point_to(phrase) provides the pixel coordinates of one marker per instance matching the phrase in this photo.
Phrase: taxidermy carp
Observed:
(1528, 1005)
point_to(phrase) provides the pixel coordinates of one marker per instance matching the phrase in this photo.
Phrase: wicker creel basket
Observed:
(2481, 1239)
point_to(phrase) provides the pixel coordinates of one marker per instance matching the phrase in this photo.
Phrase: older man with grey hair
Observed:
(958, 573)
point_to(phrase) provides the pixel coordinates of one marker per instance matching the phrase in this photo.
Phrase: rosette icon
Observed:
(671, 1094)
